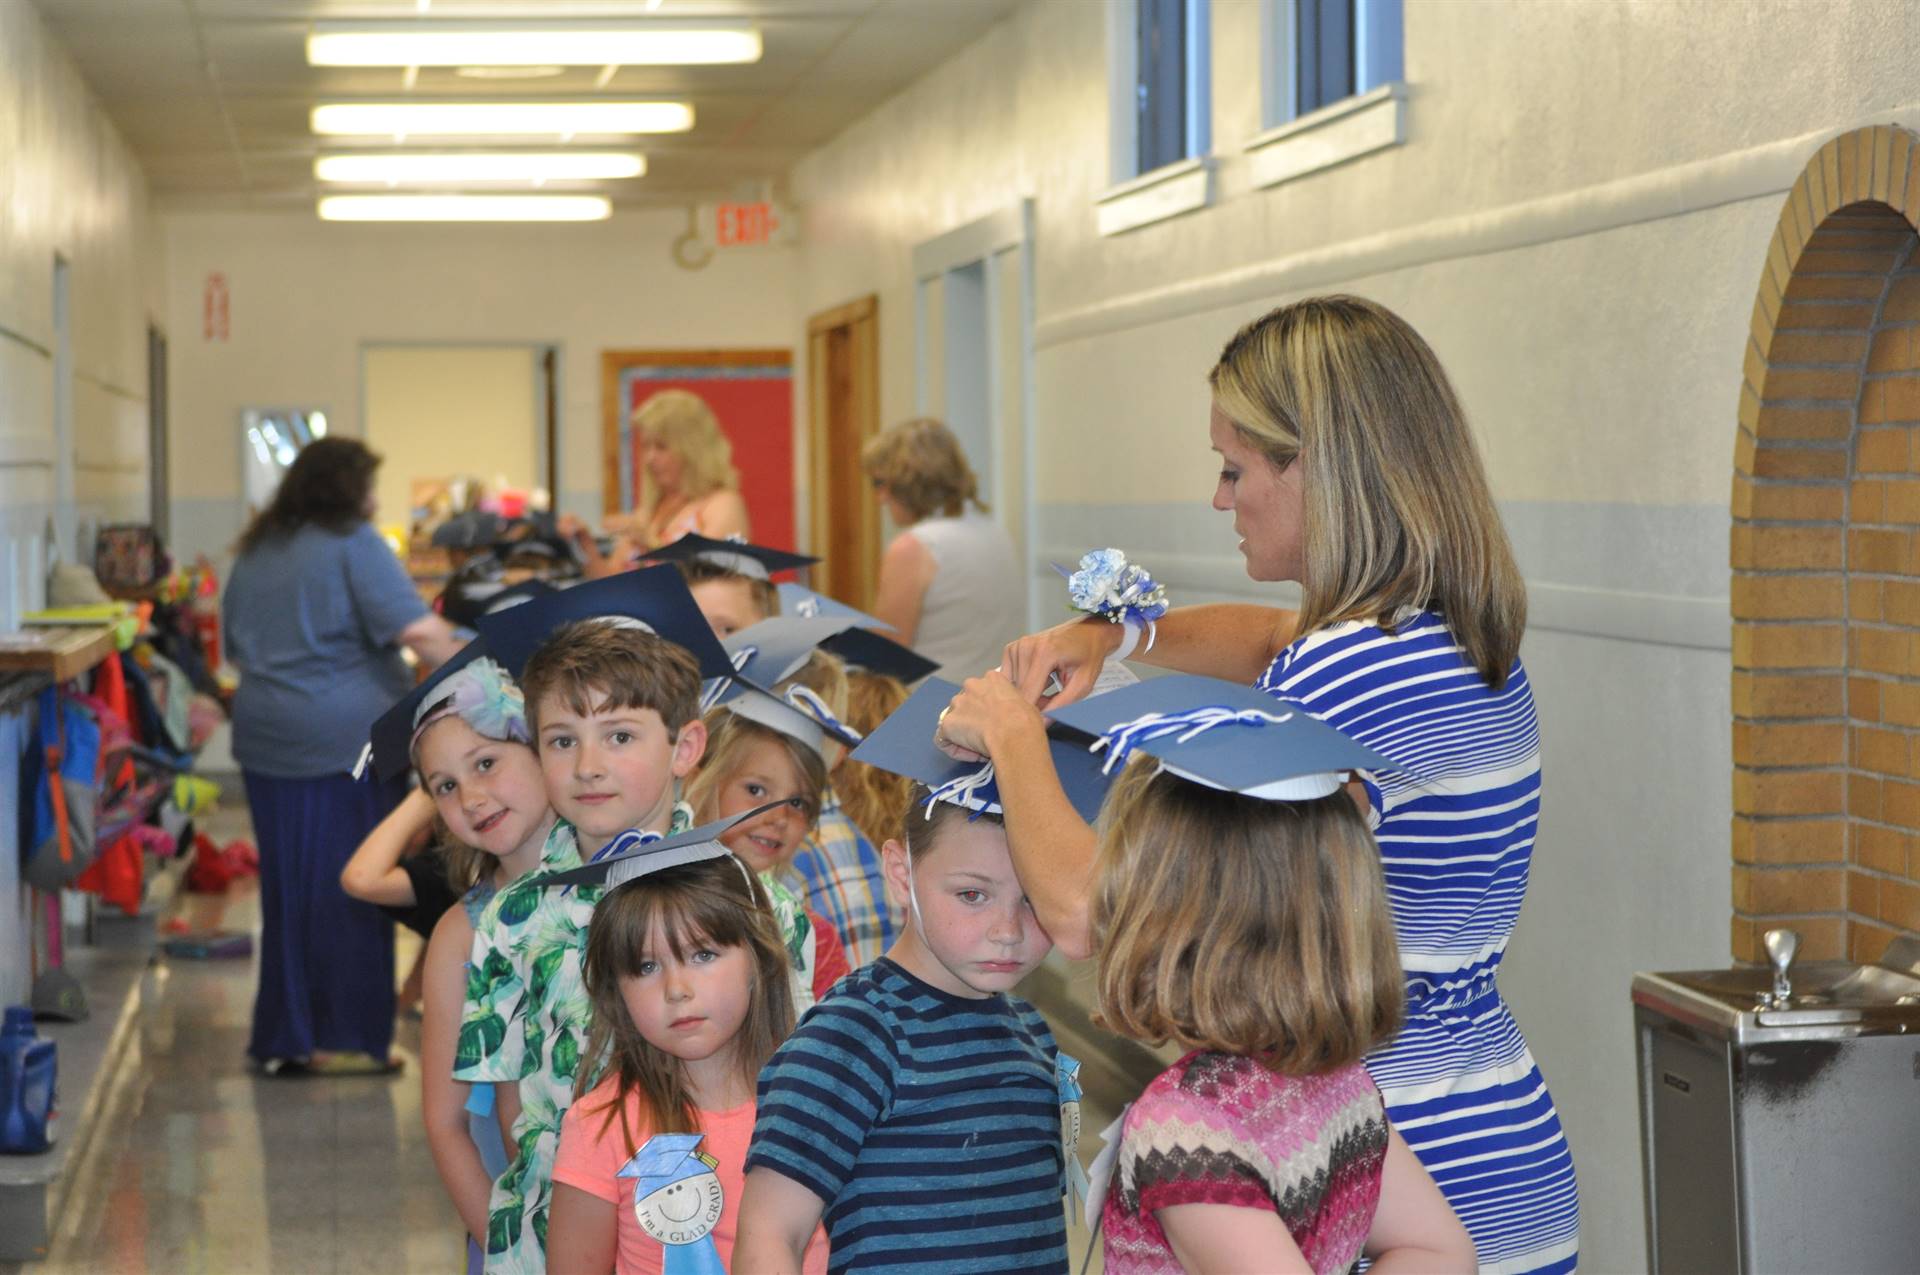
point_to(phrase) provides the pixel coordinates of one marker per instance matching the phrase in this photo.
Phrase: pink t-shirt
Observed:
(589, 1158)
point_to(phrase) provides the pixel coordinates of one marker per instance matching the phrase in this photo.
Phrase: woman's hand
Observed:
(1075, 652)
(986, 707)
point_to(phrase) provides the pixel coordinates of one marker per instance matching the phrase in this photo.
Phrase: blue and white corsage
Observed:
(1121, 592)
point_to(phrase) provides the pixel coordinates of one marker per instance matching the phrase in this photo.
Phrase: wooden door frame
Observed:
(615, 362)
(851, 582)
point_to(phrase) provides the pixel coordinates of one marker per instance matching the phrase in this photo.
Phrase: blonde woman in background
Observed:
(950, 584)
(688, 483)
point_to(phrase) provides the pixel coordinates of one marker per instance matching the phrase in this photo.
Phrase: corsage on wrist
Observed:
(1109, 586)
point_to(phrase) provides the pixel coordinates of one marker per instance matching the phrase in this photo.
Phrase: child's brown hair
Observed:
(728, 736)
(875, 799)
(921, 825)
(766, 598)
(597, 665)
(714, 902)
(1240, 925)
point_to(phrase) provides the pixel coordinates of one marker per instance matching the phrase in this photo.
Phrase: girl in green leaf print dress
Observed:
(617, 726)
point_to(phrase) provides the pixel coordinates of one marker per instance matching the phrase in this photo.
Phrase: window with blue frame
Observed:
(1329, 50)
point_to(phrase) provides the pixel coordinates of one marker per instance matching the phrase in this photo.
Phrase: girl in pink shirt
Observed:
(688, 978)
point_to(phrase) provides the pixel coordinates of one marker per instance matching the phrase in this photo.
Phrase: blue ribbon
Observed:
(1121, 740)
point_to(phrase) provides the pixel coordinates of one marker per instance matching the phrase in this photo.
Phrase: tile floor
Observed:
(202, 1168)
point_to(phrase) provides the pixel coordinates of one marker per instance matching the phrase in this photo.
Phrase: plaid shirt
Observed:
(839, 870)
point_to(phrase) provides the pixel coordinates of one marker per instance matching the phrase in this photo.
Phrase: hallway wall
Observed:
(307, 295)
(1577, 222)
(68, 187)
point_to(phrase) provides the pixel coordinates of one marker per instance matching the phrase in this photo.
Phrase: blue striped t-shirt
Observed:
(928, 1123)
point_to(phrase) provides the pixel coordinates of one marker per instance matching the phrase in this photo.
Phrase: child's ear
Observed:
(896, 865)
(689, 748)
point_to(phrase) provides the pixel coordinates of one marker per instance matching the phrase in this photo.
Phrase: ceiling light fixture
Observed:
(465, 208)
(413, 167)
(495, 119)
(494, 44)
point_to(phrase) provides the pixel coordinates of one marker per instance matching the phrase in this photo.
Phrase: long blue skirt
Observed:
(326, 960)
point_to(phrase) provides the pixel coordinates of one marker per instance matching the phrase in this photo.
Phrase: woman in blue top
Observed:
(1348, 466)
(316, 611)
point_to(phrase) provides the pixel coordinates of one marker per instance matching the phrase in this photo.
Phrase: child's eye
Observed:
(559, 741)
(443, 788)
(1229, 475)
(484, 765)
(621, 737)
(756, 791)
(970, 896)
(704, 956)
(649, 967)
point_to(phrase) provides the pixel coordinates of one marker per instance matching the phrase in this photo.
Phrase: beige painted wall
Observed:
(68, 187)
(308, 296)
(451, 412)
(1577, 223)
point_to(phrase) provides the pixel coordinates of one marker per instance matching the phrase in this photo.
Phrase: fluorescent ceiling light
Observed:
(408, 167)
(602, 44)
(464, 208)
(494, 119)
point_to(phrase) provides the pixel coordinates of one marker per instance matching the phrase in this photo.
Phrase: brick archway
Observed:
(1826, 563)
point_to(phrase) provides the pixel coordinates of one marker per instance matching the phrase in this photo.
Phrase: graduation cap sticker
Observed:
(756, 562)
(1220, 735)
(677, 1199)
(391, 745)
(655, 599)
(903, 745)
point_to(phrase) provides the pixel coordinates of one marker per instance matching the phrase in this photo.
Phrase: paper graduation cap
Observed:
(1221, 735)
(797, 713)
(665, 1159)
(655, 598)
(875, 653)
(903, 745)
(774, 650)
(857, 645)
(392, 733)
(632, 855)
(756, 562)
(798, 600)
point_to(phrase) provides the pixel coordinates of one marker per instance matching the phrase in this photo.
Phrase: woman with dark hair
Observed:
(316, 611)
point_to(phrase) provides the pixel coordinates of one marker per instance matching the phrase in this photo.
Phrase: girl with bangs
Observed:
(687, 976)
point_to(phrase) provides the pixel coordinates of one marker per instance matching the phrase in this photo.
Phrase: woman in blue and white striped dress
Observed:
(1348, 467)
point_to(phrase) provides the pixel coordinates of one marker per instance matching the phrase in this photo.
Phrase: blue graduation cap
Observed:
(635, 854)
(666, 1158)
(797, 713)
(864, 650)
(756, 562)
(1220, 735)
(655, 599)
(391, 743)
(775, 649)
(798, 600)
(903, 745)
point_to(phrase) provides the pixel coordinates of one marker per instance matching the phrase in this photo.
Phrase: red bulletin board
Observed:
(750, 391)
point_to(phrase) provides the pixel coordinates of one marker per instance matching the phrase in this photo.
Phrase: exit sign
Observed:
(748, 225)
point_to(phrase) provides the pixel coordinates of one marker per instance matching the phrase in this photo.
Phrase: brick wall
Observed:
(1826, 563)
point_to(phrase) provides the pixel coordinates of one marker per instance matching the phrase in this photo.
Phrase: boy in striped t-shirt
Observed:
(918, 1107)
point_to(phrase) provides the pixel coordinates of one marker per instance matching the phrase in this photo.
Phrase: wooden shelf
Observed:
(60, 653)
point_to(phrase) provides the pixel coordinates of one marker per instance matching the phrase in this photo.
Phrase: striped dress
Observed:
(1456, 829)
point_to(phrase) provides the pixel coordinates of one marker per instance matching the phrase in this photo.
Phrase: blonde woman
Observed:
(949, 582)
(1348, 466)
(688, 484)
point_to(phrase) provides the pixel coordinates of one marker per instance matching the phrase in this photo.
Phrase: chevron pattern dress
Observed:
(1456, 827)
